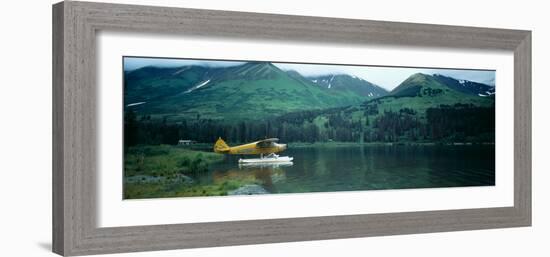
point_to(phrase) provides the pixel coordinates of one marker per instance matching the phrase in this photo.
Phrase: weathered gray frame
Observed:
(74, 128)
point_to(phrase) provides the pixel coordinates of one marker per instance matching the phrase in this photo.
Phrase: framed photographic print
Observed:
(414, 128)
(182, 128)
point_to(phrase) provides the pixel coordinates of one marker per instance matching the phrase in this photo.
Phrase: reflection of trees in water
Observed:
(370, 167)
(479, 170)
(394, 167)
(429, 166)
(268, 176)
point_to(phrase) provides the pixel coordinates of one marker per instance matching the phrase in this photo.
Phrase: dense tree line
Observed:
(461, 123)
(457, 123)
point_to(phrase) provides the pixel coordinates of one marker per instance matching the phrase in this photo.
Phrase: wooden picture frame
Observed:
(75, 25)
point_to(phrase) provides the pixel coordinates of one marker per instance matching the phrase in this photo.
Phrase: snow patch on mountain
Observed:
(330, 82)
(181, 70)
(488, 93)
(134, 104)
(197, 86)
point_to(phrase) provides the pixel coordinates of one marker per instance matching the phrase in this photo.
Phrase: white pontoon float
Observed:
(271, 158)
(265, 165)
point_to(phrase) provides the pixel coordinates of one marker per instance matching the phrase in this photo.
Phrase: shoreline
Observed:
(204, 146)
(347, 144)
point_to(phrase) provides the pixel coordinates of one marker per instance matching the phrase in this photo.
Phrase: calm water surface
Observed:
(346, 168)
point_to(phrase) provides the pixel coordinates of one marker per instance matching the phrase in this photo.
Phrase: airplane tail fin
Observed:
(221, 146)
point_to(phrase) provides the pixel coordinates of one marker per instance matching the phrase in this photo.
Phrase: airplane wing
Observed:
(266, 142)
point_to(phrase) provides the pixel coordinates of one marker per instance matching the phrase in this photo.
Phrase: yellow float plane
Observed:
(266, 146)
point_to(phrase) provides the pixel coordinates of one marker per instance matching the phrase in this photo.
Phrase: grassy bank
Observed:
(152, 171)
(166, 160)
(348, 144)
(173, 189)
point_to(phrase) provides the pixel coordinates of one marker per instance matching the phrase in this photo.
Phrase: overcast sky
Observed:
(386, 77)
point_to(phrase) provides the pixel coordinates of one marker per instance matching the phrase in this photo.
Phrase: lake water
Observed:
(346, 168)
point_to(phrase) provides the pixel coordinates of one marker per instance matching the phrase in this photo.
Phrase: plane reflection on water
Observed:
(266, 173)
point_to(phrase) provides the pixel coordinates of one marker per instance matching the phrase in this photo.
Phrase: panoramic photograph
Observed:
(196, 127)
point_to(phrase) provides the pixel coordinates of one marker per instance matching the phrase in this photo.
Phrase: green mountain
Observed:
(422, 84)
(254, 90)
(422, 91)
(467, 87)
(343, 82)
(152, 83)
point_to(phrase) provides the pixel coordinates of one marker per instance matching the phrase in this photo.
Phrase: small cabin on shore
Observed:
(186, 142)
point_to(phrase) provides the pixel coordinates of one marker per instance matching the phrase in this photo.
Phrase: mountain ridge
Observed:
(349, 82)
(254, 89)
(257, 90)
